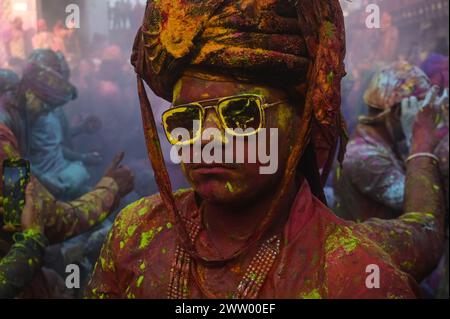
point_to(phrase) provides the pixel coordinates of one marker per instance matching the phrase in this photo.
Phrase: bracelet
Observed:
(429, 155)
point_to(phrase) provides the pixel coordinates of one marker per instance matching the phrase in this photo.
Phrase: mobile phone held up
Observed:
(16, 176)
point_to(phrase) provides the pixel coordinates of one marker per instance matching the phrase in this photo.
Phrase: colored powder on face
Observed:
(284, 118)
(407, 265)
(229, 187)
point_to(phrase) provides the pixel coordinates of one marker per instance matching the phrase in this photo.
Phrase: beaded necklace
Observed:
(251, 283)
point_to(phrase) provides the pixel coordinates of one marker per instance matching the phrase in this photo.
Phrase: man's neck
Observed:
(231, 225)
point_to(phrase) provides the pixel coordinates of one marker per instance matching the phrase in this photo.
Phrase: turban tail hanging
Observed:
(300, 44)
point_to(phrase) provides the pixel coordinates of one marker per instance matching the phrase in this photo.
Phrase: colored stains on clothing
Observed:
(139, 281)
(314, 294)
(427, 220)
(106, 266)
(148, 236)
(342, 238)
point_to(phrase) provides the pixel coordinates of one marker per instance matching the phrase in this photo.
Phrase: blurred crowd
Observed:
(101, 121)
(124, 14)
(388, 82)
(381, 48)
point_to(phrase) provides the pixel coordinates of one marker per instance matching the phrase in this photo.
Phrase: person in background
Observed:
(59, 37)
(436, 68)
(25, 257)
(42, 89)
(371, 182)
(17, 45)
(54, 162)
(43, 39)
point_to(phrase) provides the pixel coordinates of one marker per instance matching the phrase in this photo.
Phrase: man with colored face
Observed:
(239, 233)
(43, 87)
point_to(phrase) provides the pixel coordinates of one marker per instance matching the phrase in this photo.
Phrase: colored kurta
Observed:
(322, 256)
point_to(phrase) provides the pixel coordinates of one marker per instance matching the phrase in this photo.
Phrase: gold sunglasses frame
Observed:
(262, 106)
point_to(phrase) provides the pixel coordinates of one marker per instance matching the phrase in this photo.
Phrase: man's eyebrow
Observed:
(200, 101)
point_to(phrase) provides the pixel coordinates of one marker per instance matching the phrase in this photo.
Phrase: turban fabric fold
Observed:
(299, 44)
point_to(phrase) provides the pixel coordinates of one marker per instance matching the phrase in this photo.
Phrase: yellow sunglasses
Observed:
(240, 115)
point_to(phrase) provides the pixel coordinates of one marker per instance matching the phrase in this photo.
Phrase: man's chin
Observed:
(217, 193)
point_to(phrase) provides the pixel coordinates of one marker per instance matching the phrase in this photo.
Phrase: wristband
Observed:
(417, 155)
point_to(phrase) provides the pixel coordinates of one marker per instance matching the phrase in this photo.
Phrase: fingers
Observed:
(117, 159)
(414, 104)
(443, 99)
(405, 105)
(430, 98)
(29, 189)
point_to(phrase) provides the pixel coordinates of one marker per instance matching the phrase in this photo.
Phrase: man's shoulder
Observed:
(148, 214)
(356, 266)
(151, 207)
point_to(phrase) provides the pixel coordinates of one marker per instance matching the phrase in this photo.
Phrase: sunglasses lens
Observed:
(182, 120)
(241, 113)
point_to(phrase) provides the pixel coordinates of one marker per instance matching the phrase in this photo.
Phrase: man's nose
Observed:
(212, 124)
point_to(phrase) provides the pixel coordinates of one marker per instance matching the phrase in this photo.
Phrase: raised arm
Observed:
(415, 240)
(18, 267)
(68, 219)
(64, 220)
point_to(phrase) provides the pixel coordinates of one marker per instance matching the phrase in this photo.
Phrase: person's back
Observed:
(44, 87)
(46, 154)
(371, 180)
